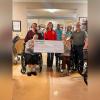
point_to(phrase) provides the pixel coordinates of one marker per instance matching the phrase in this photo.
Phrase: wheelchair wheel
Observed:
(40, 62)
(23, 69)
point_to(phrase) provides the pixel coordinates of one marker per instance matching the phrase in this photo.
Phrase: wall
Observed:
(19, 13)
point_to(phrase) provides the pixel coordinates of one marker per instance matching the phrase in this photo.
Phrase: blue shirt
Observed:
(68, 34)
(59, 34)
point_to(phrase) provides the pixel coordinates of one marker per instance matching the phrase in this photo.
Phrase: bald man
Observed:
(78, 39)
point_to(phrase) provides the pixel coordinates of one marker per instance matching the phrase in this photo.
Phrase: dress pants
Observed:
(50, 57)
(78, 57)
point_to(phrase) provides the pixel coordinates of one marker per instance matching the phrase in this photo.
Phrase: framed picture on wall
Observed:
(16, 25)
(84, 23)
(82, 19)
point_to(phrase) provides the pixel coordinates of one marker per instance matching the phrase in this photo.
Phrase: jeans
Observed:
(58, 56)
(78, 57)
(50, 57)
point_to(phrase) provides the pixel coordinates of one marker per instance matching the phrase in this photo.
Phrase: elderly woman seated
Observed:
(31, 58)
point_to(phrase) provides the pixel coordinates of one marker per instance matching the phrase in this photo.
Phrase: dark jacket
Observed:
(30, 35)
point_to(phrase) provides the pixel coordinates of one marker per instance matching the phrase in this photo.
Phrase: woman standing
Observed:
(66, 55)
(59, 38)
(69, 31)
(32, 32)
(50, 34)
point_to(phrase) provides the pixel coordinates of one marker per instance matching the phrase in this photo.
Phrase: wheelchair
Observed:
(69, 62)
(23, 63)
(85, 69)
(59, 64)
(16, 52)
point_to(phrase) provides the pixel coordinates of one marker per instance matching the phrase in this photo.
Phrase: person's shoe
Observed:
(34, 73)
(29, 74)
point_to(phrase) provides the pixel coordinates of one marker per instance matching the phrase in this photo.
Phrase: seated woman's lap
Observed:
(31, 59)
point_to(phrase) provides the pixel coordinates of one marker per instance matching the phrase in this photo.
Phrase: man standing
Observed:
(50, 34)
(59, 38)
(78, 41)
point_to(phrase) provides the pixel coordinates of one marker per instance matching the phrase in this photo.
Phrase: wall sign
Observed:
(16, 25)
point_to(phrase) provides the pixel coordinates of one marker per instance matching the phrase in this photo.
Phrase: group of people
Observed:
(73, 41)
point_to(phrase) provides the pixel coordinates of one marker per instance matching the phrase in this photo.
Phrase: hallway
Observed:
(48, 86)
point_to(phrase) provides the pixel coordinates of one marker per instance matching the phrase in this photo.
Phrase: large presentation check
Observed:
(48, 46)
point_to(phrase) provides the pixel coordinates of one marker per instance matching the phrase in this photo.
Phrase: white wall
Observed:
(19, 13)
